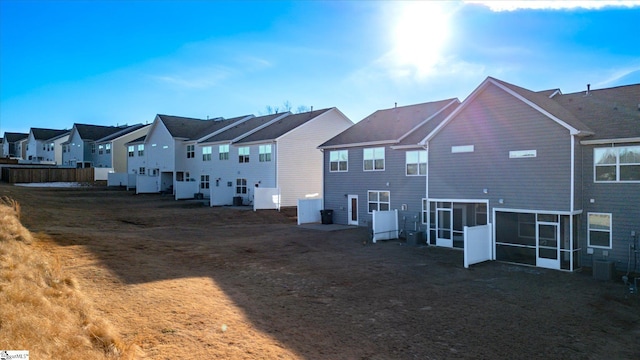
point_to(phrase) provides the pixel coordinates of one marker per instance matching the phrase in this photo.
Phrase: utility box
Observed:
(415, 238)
(603, 269)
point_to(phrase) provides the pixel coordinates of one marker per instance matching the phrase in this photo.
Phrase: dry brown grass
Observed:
(42, 310)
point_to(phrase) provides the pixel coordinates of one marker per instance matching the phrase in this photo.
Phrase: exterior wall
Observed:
(103, 160)
(404, 190)
(32, 146)
(160, 148)
(76, 150)
(621, 200)
(57, 149)
(135, 162)
(496, 123)
(299, 162)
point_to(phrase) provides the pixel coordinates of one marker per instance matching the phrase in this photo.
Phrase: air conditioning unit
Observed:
(603, 269)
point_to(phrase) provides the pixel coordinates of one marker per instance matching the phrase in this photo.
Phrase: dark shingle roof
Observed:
(611, 113)
(46, 134)
(282, 126)
(423, 130)
(138, 140)
(549, 105)
(192, 129)
(13, 137)
(95, 132)
(122, 132)
(242, 128)
(388, 125)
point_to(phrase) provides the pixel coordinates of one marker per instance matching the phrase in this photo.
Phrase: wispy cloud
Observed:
(553, 5)
(195, 78)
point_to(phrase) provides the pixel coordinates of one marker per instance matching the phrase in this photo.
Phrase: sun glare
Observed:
(420, 34)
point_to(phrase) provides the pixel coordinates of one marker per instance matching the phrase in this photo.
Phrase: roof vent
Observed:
(588, 89)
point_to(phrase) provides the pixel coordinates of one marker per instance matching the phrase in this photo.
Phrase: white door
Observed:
(353, 210)
(547, 249)
(444, 235)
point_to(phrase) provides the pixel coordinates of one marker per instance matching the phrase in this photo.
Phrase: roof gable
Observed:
(15, 137)
(388, 125)
(95, 132)
(540, 101)
(46, 134)
(281, 126)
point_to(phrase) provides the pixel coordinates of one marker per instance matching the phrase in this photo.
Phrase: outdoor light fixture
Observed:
(501, 201)
(485, 191)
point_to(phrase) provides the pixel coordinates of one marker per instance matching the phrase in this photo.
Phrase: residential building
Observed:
(377, 164)
(11, 143)
(40, 147)
(80, 150)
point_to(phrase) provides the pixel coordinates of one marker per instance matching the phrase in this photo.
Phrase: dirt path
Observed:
(188, 281)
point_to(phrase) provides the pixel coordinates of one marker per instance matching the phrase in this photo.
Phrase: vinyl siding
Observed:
(621, 200)
(403, 189)
(299, 161)
(496, 123)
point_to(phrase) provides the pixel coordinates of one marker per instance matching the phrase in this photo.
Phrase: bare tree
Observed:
(285, 107)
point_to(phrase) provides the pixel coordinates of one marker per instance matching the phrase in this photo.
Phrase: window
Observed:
(100, 149)
(64, 148)
(264, 153)
(373, 159)
(141, 170)
(206, 154)
(93, 148)
(416, 163)
(191, 151)
(338, 160)
(223, 152)
(378, 200)
(107, 148)
(241, 186)
(130, 150)
(617, 164)
(141, 150)
(204, 181)
(599, 230)
(425, 211)
(243, 154)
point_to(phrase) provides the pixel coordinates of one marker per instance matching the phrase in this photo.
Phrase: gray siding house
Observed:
(377, 164)
(524, 161)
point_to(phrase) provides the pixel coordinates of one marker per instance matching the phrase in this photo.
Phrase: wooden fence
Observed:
(15, 175)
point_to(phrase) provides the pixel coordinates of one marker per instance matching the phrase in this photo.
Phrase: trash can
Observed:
(237, 201)
(327, 216)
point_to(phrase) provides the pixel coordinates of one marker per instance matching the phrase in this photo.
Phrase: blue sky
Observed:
(117, 62)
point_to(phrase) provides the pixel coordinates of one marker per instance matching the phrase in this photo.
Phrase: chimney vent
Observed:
(395, 104)
(588, 88)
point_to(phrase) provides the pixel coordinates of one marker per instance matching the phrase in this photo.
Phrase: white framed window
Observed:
(206, 153)
(243, 154)
(141, 170)
(241, 186)
(130, 150)
(373, 159)
(141, 150)
(93, 148)
(617, 164)
(191, 151)
(100, 149)
(599, 230)
(107, 148)
(204, 181)
(378, 200)
(264, 152)
(339, 161)
(416, 163)
(425, 210)
(223, 152)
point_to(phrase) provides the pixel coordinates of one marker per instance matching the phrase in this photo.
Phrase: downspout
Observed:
(426, 193)
(572, 201)
(324, 182)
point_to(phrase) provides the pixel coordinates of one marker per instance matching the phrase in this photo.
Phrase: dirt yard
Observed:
(185, 281)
